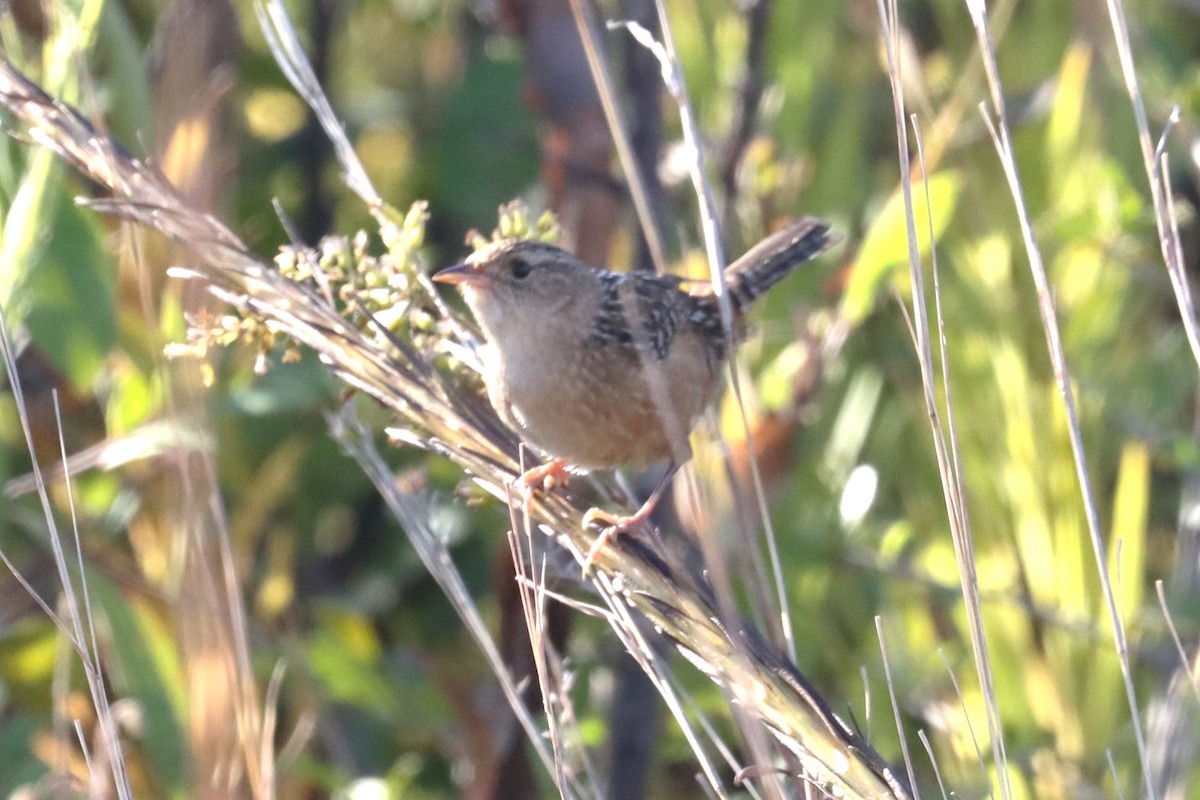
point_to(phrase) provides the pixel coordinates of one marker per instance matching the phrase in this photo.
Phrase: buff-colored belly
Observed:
(605, 411)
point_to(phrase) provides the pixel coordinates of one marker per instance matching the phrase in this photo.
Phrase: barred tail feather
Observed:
(769, 261)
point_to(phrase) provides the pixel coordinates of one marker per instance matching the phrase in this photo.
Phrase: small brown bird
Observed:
(597, 369)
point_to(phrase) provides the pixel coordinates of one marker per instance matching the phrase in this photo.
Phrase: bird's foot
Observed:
(545, 477)
(611, 526)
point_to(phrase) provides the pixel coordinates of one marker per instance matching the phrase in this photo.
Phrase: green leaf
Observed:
(27, 219)
(286, 388)
(1070, 106)
(69, 296)
(21, 766)
(1130, 520)
(345, 654)
(886, 243)
(119, 46)
(142, 666)
(27, 652)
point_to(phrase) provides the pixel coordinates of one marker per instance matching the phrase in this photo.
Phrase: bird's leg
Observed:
(544, 476)
(616, 525)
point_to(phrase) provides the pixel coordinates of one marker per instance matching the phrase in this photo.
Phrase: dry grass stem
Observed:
(998, 127)
(76, 604)
(1155, 162)
(667, 55)
(887, 672)
(949, 466)
(638, 192)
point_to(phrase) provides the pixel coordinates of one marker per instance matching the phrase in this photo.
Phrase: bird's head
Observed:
(516, 283)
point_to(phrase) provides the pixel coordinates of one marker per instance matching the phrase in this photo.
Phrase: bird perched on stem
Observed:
(597, 369)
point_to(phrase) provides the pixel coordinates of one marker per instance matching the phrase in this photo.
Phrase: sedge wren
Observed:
(597, 369)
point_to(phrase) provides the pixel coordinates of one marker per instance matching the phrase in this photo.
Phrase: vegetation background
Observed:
(470, 105)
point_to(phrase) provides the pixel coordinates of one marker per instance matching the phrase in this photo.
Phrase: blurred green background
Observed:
(437, 100)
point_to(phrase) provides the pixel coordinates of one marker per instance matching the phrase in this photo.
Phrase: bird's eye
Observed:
(521, 269)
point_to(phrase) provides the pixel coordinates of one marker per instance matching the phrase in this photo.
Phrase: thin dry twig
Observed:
(891, 685)
(553, 683)
(933, 761)
(638, 191)
(962, 704)
(949, 464)
(1154, 159)
(1112, 769)
(1189, 665)
(410, 510)
(998, 127)
(70, 626)
(668, 58)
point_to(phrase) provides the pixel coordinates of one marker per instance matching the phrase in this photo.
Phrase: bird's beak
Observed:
(468, 274)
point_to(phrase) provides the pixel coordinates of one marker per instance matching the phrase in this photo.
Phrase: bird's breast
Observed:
(601, 405)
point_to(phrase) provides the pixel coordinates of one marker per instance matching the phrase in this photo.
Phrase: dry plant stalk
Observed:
(945, 439)
(402, 363)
